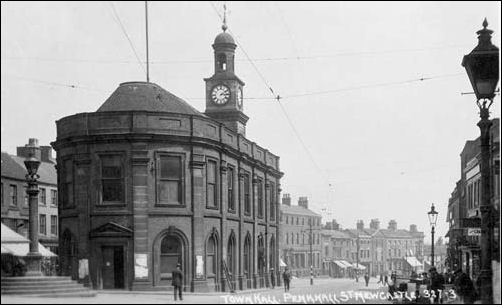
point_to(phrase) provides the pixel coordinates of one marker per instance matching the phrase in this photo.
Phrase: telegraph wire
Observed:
(277, 97)
(203, 61)
(117, 19)
(71, 86)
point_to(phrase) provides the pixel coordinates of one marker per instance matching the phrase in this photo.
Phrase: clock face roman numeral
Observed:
(220, 94)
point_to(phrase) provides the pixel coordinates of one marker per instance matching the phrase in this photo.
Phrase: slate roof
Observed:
(355, 232)
(143, 96)
(13, 167)
(336, 234)
(297, 210)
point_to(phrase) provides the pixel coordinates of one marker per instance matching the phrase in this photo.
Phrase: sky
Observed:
(357, 131)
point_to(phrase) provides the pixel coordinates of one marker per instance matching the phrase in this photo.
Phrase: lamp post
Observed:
(34, 257)
(433, 216)
(482, 66)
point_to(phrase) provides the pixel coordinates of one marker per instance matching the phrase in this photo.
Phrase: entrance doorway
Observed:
(112, 267)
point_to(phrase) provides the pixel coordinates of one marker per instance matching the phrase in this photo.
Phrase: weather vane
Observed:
(224, 26)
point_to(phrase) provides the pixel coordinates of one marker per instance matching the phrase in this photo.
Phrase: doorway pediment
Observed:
(110, 229)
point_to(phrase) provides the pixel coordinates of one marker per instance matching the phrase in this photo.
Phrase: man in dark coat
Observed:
(177, 281)
(436, 284)
(286, 276)
(367, 279)
(464, 287)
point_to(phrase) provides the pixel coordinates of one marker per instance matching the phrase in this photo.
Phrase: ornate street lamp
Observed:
(433, 217)
(34, 257)
(482, 66)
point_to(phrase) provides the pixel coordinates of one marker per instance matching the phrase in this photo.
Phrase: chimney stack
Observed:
(30, 149)
(375, 224)
(393, 225)
(303, 202)
(47, 154)
(335, 225)
(286, 199)
(413, 228)
(360, 225)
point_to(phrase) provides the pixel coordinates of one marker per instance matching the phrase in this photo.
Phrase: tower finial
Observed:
(224, 26)
(485, 23)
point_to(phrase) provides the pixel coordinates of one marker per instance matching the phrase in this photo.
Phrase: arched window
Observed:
(261, 254)
(247, 256)
(211, 256)
(272, 252)
(170, 256)
(222, 62)
(231, 254)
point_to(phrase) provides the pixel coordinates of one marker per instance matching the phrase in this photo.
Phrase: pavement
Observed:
(324, 291)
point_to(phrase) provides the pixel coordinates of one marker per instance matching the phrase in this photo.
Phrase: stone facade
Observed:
(295, 238)
(464, 249)
(152, 182)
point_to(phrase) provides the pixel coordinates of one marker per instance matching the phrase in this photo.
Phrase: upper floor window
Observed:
(54, 225)
(26, 196)
(1, 194)
(112, 179)
(247, 199)
(230, 185)
(260, 198)
(212, 194)
(272, 201)
(286, 219)
(43, 225)
(13, 195)
(169, 180)
(54, 197)
(43, 196)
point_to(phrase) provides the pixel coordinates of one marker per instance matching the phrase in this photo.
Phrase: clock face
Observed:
(220, 94)
(240, 98)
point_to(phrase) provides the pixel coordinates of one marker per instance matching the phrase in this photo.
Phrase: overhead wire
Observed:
(276, 96)
(117, 19)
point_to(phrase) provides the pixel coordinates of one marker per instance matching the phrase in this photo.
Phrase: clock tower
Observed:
(224, 90)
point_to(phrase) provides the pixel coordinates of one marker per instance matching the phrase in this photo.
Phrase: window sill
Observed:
(170, 205)
(111, 204)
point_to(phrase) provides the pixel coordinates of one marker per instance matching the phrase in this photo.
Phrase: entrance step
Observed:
(47, 286)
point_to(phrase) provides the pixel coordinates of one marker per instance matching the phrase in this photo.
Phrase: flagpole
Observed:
(147, 61)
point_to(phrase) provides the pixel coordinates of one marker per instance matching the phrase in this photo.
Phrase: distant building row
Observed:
(14, 209)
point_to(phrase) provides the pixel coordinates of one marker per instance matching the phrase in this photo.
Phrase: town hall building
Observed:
(147, 182)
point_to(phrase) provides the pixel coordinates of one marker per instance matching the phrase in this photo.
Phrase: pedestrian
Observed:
(367, 279)
(386, 280)
(272, 278)
(286, 276)
(177, 281)
(380, 280)
(436, 285)
(464, 287)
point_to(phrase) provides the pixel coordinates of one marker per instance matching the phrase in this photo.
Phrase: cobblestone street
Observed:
(324, 290)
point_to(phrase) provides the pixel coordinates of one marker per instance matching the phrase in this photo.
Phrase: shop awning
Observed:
(282, 263)
(413, 261)
(340, 264)
(5, 250)
(347, 264)
(22, 249)
(358, 266)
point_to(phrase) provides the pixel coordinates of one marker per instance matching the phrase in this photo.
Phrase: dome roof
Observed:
(143, 96)
(224, 38)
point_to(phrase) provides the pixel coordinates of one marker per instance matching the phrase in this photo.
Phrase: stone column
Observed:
(224, 236)
(254, 215)
(34, 257)
(143, 170)
(267, 235)
(82, 201)
(197, 163)
(278, 227)
(242, 234)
